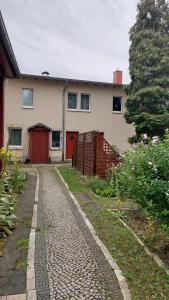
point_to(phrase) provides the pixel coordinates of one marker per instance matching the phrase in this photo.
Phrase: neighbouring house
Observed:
(8, 68)
(47, 113)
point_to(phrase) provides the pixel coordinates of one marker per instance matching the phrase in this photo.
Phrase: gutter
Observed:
(63, 119)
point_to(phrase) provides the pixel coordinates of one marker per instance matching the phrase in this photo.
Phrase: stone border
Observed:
(31, 288)
(30, 281)
(151, 254)
(121, 280)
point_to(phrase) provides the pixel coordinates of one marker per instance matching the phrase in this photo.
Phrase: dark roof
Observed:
(7, 58)
(39, 125)
(87, 82)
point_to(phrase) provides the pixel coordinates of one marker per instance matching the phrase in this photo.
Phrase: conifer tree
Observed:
(148, 93)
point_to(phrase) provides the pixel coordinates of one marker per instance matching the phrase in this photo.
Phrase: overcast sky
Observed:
(85, 39)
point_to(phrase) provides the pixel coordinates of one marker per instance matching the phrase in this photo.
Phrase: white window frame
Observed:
(27, 106)
(85, 94)
(16, 146)
(56, 148)
(72, 109)
(116, 111)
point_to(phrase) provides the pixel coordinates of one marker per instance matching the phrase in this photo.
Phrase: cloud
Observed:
(76, 39)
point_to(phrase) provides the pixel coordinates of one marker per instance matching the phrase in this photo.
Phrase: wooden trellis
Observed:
(93, 155)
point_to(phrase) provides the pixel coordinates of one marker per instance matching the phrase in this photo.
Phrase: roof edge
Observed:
(71, 80)
(8, 47)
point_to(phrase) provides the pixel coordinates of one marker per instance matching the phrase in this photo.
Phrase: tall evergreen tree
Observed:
(148, 93)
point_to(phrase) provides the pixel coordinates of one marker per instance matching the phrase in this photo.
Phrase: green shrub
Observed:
(7, 217)
(101, 187)
(144, 177)
(16, 180)
(10, 186)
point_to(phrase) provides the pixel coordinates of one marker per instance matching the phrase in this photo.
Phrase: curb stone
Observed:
(121, 280)
(151, 254)
(31, 289)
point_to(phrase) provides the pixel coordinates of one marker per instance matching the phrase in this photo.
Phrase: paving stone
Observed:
(66, 254)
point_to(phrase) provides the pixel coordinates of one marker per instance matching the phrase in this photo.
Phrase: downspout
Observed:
(63, 119)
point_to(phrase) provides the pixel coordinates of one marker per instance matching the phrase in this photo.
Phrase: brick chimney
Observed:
(117, 77)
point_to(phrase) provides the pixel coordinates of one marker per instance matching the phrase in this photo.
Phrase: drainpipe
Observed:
(63, 119)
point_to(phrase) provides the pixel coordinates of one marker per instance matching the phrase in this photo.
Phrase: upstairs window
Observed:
(84, 102)
(116, 104)
(15, 136)
(56, 139)
(27, 98)
(72, 101)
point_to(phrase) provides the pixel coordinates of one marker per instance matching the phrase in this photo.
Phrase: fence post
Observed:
(84, 138)
(94, 138)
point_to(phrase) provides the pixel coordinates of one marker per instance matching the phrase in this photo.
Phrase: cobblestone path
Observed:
(68, 263)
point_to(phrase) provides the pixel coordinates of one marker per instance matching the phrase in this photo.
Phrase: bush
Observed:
(11, 184)
(144, 177)
(101, 187)
(16, 180)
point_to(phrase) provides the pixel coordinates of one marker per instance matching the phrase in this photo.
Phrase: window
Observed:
(84, 102)
(72, 101)
(15, 137)
(117, 104)
(55, 139)
(27, 98)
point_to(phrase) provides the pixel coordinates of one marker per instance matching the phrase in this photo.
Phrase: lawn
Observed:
(145, 279)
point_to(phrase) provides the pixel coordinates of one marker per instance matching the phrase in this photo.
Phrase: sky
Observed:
(83, 39)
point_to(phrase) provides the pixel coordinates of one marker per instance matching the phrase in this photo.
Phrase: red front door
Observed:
(71, 137)
(39, 146)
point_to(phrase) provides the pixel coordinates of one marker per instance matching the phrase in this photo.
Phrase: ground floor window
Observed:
(15, 136)
(56, 139)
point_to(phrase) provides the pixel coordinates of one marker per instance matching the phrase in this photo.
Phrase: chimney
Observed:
(117, 77)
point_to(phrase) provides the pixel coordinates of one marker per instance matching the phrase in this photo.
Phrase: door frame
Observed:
(38, 128)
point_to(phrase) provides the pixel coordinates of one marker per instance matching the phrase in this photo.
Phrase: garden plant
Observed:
(11, 184)
(143, 176)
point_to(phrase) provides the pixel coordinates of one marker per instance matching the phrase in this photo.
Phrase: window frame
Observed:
(81, 109)
(27, 106)
(72, 109)
(117, 111)
(56, 148)
(15, 146)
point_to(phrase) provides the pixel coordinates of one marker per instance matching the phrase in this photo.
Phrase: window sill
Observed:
(79, 110)
(117, 112)
(86, 111)
(55, 149)
(28, 107)
(15, 147)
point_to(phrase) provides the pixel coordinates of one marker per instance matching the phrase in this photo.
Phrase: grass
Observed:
(22, 244)
(21, 265)
(145, 279)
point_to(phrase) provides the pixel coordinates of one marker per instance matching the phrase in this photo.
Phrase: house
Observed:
(47, 113)
(8, 68)
(42, 115)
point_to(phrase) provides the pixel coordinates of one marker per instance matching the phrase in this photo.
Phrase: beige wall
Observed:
(47, 98)
(100, 117)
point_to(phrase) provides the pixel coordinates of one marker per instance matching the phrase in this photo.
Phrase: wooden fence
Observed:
(93, 155)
